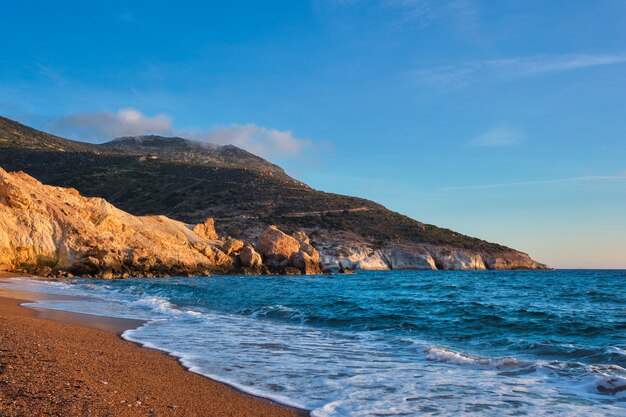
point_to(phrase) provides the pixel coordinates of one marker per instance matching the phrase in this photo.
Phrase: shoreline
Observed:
(62, 363)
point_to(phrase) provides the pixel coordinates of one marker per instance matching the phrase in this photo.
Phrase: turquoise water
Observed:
(393, 343)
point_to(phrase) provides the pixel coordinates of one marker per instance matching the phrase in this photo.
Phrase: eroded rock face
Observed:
(306, 263)
(49, 230)
(348, 251)
(206, 230)
(53, 231)
(274, 243)
(250, 258)
(286, 254)
(232, 245)
(409, 258)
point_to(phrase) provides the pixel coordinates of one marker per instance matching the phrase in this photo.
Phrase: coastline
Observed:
(59, 363)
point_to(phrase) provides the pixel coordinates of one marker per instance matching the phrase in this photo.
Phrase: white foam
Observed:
(616, 351)
(611, 385)
(336, 373)
(440, 354)
(157, 304)
(279, 309)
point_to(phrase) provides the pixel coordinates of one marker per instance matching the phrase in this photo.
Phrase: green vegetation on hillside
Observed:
(188, 181)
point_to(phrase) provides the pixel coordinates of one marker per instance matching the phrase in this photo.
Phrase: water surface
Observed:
(392, 343)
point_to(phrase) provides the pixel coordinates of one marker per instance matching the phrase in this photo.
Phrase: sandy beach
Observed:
(66, 364)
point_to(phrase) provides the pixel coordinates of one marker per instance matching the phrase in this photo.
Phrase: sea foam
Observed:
(270, 350)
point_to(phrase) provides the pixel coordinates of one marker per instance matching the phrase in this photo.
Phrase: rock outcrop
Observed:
(288, 254)
(347, 251)
(250, 258)
(206, 230)
(55, 231)
(273, 242)
(305, 263)
(232, 246)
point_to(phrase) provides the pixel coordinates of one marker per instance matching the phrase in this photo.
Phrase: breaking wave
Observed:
(379, 344)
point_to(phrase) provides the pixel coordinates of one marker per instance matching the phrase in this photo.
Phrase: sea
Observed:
(386, 343)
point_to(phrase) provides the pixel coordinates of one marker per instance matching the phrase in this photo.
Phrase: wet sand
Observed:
(66, 364)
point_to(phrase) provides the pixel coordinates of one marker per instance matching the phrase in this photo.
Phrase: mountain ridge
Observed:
(189, 181)
(190, 151)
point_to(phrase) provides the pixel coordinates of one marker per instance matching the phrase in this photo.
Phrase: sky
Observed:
(504, 120)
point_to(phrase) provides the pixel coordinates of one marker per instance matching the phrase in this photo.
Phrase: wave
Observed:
(277, 311)
(612, 350)
(287, 350)
(157, 304)
(440, 354)
(610, 385)
(596, 379)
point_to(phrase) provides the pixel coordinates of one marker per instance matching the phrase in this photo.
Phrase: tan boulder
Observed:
(232, 245)
(206, 230)
(305, 263)
(250, 258)
(305, 245)
(311, 251)
(272, 242)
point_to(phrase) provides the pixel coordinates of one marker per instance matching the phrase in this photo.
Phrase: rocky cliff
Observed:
(190, 182)
(51, 230)
(349, 251)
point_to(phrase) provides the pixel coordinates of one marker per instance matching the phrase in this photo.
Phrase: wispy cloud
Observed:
(524, 67)
(259, 140)
(462, 14)
(512, 68)
(499, 136)
(621, 177)
(52, 74)
(102, 126)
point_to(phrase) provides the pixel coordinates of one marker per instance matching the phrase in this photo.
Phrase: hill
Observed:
(54, 231)
(191, 181)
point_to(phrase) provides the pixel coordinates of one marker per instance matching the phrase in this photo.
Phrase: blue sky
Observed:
(504, 120)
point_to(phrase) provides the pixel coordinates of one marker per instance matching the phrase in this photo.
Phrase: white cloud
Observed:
(499, 136)
(99, 126)
(589, 178)
(537, 65)
(103, 126)
(512, 68)
(262, 141)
